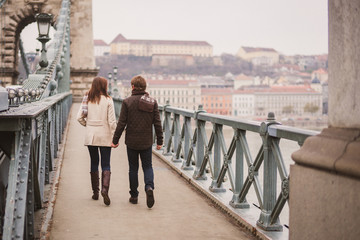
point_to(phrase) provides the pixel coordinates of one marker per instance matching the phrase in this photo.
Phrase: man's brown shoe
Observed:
(133, 200)
(150, 197)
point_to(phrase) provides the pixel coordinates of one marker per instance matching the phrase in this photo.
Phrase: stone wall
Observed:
(325, 180)
(324, 205)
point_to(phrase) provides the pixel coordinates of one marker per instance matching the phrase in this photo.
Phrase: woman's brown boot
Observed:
(105, 182)
(95, 184)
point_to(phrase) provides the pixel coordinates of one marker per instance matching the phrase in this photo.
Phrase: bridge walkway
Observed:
(180, 212)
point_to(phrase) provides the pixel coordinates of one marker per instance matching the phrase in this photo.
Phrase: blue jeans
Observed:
(146, 163)
(105, 153)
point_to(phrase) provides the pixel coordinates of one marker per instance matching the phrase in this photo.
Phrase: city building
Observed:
(288, 100)
(101, 48)
(122, 46)
(286, 68)
(259, 56)
(242, 80)
(316, 85)
(307, 63)
(217, 100)
(180, 93)
(322, 61)
(325, 96)
(320, 74)
(243, 102)
(215, 82)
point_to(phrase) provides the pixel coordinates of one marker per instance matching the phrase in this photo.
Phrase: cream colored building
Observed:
(180, 93)
(283, 100)
(316, 85)
(122, 46)
(259, 56)
(101, 48)
(242, 80)
(321, 74)
(243, 103)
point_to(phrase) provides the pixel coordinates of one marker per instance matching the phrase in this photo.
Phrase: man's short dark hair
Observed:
(139, 83)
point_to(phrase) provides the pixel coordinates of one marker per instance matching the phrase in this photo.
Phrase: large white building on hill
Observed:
(101, 48)
(259, 56)
(122, 46)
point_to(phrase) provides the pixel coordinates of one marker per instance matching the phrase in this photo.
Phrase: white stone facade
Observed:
(243, 104)
(122, 46)
(180, 93)
(287, 101)
(259, 56)
(101, 48)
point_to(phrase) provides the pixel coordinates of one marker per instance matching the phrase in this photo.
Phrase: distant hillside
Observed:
(129, 65)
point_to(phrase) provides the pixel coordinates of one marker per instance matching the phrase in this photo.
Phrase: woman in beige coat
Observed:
(98, 116)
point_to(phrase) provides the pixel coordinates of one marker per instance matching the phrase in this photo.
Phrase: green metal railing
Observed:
(32, 134)
(213, 155)
(186, 144)
(31, 129)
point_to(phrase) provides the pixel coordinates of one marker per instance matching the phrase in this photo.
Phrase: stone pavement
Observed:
(180, 212)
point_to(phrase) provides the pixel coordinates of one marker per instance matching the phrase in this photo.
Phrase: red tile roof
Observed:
(287, 89)
(320, 71)
(99, 42)
(119, 38)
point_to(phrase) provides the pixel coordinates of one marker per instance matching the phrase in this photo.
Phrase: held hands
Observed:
(114, 145)
(158, 147)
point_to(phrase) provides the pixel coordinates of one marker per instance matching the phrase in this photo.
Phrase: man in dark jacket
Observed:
(139, 113)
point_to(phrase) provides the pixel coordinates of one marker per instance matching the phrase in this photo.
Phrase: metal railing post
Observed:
(167, 131)
(214, 187)
(199, 146)
(239, 174)
(177, 139)
(187, 142)
(269, 181)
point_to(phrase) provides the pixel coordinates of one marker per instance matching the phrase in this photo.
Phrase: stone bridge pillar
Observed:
(17, 14)
(83, 68)
(325, 181)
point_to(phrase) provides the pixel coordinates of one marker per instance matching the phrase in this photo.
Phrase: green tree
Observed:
(288, 109)
(311, 108)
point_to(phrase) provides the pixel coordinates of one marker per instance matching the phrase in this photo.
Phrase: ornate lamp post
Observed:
(115, 92)
(43, 21)
(112, 75)
(115, 70)
(109, 84)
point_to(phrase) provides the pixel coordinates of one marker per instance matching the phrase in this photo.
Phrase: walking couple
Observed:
(139, 113)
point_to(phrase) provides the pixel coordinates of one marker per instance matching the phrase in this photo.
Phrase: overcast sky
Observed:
(288, 26)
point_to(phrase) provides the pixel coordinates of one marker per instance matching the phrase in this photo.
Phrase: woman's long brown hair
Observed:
(98, 88)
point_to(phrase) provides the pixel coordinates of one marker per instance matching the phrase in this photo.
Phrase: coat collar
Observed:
(137, 92)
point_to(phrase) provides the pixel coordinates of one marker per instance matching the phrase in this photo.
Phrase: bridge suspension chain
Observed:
(2, 25)
(2, 2)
